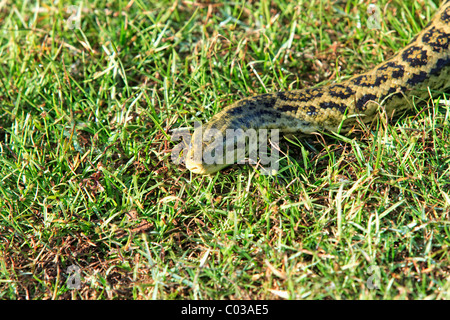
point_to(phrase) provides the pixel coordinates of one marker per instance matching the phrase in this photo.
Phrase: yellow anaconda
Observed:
(422, 64)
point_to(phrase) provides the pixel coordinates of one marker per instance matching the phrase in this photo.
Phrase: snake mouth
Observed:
(200, 169)
(193, 165)
(203, 168)
(195, 168)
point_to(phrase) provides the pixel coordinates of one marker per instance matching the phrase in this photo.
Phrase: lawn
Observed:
(92, 205)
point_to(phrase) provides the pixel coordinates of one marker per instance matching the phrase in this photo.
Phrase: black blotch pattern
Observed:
(282, 96)
(415, 56)
(361, 103)
(316, 92)
(445, 16)
(263, 112)
(441, 63)
(287, 108)
(362, 80)
(257, 105)
(266, 100)
(332, 105)
(236, 111)
(380, 79)
(417, 78)
(301, 96)
(240, 122)
(297, 96)
(391, 91)
(438, 40)
(340, 91)
(312, 111)
(397, 70)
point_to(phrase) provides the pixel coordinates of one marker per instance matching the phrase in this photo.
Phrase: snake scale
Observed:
(423, 65)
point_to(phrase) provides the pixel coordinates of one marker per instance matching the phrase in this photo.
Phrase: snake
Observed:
(412, 73)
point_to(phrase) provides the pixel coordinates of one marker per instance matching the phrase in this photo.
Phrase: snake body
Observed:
(422, 65)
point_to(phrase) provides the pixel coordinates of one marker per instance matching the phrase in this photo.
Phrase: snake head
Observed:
(212, 150)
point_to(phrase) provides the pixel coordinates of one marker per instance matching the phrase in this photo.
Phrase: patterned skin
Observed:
(422, 64)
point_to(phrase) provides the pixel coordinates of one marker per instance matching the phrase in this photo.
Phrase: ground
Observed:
(93, 207)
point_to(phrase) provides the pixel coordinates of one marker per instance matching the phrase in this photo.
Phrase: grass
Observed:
(87, 180)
